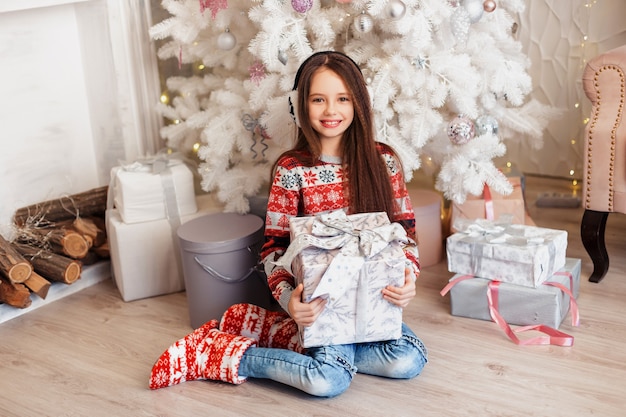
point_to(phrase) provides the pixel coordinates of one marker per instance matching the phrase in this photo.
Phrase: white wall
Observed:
(77, 96)
(44, 113)
(552, 32)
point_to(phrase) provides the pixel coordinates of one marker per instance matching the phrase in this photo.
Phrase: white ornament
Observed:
(363, 23)
(396, 9)
(475, 9)
(226, 41)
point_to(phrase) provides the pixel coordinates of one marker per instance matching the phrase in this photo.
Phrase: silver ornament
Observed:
(226, 41)
(396, 9)
(363, 23)
(474, 8)
(461, 130)
(486, 124)
(282, 56)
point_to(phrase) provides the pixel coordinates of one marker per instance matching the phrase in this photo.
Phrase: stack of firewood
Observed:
(53, 241)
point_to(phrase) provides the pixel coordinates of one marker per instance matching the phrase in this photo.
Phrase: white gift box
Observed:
(518, 254)
(517, 304)
(145, 258)
(348, 264)
(152, 189)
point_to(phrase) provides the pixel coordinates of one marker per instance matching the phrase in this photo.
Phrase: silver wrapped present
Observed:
(513, 253)
(517, 304)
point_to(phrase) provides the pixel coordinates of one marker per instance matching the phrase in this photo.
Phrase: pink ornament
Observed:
(461, 130)
(257, 72)
(302, 6)
(489, 6)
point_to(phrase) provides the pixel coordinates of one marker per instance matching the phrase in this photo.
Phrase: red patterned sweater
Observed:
(298, 190)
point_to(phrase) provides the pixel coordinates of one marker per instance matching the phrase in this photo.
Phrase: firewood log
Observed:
(12, 264)
(15, 295)
(89, 227)
(38, 284)
(103, 251)
(89, 203)
(60, 240)
(50, 265)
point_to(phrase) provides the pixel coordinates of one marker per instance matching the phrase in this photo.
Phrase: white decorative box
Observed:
(152, 189)
(348, 263)
(145, 257)
(517, 304)
(518, 254)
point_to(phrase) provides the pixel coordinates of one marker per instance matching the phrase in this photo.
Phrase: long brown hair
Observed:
(367, 179)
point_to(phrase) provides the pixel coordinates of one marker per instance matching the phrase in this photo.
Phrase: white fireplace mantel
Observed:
(79, 84)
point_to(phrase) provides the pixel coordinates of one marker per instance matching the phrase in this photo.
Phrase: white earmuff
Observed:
(293, 106)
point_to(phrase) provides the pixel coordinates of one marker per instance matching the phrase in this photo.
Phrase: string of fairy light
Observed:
(585, 51)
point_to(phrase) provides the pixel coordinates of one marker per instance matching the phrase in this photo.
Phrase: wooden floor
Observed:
(90, 354)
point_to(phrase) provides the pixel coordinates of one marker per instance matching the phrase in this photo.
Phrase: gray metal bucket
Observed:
(220, 258)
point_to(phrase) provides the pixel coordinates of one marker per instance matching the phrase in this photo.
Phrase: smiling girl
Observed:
(336, 164)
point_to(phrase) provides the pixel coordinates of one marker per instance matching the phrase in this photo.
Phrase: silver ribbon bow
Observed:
(334, 230)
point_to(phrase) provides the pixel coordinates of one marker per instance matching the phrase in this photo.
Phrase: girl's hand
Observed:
(304, 314)
(401, 296)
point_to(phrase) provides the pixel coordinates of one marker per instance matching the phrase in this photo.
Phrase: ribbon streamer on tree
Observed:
(252, 125)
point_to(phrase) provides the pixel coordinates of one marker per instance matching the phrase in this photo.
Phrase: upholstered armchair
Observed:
(604, 186)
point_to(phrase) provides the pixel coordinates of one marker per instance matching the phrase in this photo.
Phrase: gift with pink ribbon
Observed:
(518, 254)
(348, 260)
(493, 206)
(546, 305)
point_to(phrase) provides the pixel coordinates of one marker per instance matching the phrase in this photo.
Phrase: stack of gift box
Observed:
(507, 269)
(148, 200)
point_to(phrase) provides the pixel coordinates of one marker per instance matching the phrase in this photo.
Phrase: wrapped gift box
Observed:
(352, 284)
(518, 254)
(144, 256)
(518, 305)
(152, 189)
(510, 206)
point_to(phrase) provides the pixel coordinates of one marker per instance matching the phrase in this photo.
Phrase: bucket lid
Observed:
(220, 232)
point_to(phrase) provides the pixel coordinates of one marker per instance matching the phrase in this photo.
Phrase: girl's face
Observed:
(331, 109)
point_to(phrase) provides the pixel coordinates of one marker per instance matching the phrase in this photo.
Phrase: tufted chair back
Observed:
(604, 83)
(604, 186)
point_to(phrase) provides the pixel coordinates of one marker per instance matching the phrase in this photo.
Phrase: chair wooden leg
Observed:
(592, 234)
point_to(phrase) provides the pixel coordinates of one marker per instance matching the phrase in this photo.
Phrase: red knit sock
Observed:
(251, 321)
(179, 363)
(284, 335)
(269, 328)
(221, 355)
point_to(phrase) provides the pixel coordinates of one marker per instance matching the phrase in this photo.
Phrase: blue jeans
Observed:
(327, 371)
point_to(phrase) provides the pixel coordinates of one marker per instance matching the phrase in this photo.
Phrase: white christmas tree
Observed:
(448, 81)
